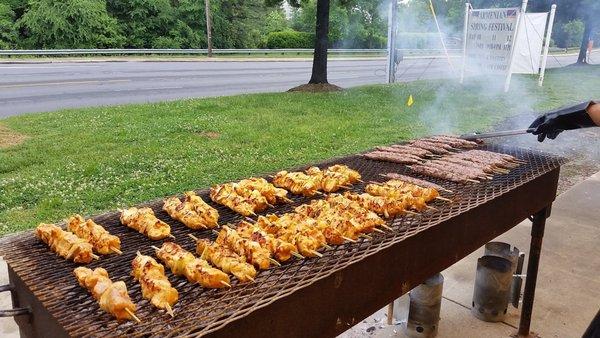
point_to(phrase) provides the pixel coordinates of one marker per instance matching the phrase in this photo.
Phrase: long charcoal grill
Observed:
(303, 298)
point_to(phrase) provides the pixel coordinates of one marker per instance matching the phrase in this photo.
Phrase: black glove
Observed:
(553, 123)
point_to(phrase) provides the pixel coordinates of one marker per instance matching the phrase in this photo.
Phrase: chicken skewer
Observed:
(143, 221)
(209, 214)
(154, 283)
(273, 194)
(415, 181)
(65, 244)
(297, 183)
(225, 259)
(226, 195)
(101, 240)
(196, 270)
(112, 297)
(280, 249)
(250, 250)
(293, 230)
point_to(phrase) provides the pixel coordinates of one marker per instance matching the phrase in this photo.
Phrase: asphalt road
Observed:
(27, 87)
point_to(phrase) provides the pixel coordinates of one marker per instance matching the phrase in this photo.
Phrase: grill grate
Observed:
(200, 310)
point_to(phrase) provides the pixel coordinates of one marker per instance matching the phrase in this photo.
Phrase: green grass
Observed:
(92, 160)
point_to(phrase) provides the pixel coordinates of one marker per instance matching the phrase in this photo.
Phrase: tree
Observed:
(69, 24)
(8, 33)
(589, 9)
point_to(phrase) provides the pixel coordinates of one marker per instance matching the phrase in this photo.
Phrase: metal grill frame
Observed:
(313, 297)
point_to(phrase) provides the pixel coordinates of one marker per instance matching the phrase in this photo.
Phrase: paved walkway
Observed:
(568, 291)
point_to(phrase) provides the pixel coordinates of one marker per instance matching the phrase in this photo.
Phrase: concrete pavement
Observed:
(40, 87)
(568, 286)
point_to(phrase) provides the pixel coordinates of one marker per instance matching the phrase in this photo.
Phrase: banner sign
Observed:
(489, 40)
(530, 41)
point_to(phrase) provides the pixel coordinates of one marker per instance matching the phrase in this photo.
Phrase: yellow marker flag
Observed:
(410, 101)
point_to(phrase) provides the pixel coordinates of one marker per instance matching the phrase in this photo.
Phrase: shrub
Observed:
(573, 33)
(290, 39)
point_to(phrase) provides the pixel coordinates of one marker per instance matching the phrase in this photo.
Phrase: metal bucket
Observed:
(492, 288)
(424, 309)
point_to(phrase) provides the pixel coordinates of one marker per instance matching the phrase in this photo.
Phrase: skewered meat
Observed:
(396, 190)
(297, 183)
(353, 175)
(269, 191)
(101, 240)
(280, 249)
(143, 221)
(379, 204)
(65, 243)
(393, 157)
(208, 214)
(439, 173)
(196, 270)
(411, 150)
(416, 181)
(250, 250)
(154, 283)
(328, 181)
(432, 147)
(294, 229)
(193, 211)
(226, 259)
(226, 195)
(112, 297)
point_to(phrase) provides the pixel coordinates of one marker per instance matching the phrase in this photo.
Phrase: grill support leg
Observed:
(535, 248)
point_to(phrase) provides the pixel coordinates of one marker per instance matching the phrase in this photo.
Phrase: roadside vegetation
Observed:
(92, 160)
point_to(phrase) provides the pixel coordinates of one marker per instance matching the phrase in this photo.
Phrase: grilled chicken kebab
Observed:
(196, 270)
(192, 211)
(223, 257)
(111, 296)
(65, 244)
(154, 283)
(143, 221)
(250, 250)
(101, 240)
(314, 179)
(248, 196)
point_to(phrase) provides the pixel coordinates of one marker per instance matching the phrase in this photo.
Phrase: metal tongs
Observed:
(478, 135)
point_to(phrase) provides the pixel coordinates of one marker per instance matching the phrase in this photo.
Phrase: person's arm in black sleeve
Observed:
(583, 115)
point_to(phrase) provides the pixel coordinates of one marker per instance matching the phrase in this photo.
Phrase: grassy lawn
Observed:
(92, 160)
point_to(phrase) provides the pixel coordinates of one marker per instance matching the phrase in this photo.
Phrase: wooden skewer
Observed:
(385, 213)
(348, 239)
(251, 220)
(319, 193)
(270, 205)
(193, 237)
(443, 199)
(215, 232)
(365, 236)
(387, 227)
(155, 248)
(170, 310)
(133, 315)
(250, 278)
(226, 284)
(274, 262)
(472, 181)
(432, 208)
(446, 190)
(95, 257)
(171, 236)
(252, 213)
(297, 255)
(116, 250)
(327, 247)
(379, 230)
(359, 180)
(203, 252)
(287, 200)
(411, 212)
(318, 254)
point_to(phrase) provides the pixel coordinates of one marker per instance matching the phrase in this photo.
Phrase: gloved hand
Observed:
(555, 122)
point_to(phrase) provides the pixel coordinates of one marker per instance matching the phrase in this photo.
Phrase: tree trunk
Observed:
(208, 27)
(584, 41)
(319, 70)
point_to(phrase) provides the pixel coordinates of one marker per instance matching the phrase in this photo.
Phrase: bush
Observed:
(164, 42)
(290, 39)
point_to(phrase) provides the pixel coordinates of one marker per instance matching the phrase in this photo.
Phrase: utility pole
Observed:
(208, 27)
(392, 26)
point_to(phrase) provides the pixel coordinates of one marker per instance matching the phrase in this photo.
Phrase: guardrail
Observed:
(65, 52)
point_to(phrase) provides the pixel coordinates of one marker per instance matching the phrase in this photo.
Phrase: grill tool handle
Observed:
(12, 312)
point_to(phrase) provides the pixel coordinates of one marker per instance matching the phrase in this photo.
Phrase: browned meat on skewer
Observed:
(430, 147)
(412, 150)
(438, 173)
(437, 144)
(413, 180)
(460, 170)
(393, 157)
(464, 144)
